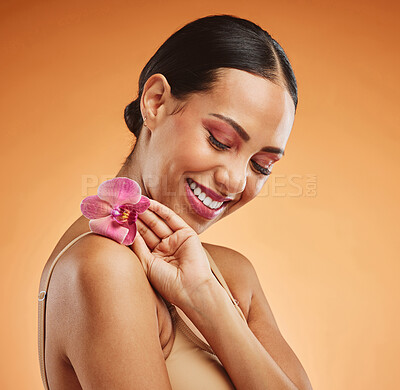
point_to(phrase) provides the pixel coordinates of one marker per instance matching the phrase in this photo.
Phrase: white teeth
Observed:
(207, 201)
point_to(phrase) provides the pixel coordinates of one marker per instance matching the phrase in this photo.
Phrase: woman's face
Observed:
(200, 144)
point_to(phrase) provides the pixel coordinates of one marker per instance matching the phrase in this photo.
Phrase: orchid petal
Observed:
(130, 237)
(92, 207)
(119, 190)
(132, 217)
(135, 209)
(139, 207)
(106, 226)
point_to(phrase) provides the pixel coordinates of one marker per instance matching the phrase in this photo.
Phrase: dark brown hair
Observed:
(191, 57)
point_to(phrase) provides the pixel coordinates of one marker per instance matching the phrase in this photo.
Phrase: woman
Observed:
(214, 111)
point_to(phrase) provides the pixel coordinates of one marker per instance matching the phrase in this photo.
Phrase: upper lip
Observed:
(213, 195)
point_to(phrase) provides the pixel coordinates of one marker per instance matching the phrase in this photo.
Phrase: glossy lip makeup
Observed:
(199, 207)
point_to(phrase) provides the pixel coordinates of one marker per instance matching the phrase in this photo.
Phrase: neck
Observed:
(133, 170)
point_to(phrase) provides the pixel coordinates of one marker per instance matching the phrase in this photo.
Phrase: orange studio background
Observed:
(322, 235)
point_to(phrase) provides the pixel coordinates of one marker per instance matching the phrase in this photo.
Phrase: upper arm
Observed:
(262, 323)
(111, 332)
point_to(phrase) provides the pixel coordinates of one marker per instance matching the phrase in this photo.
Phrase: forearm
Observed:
(244, 358)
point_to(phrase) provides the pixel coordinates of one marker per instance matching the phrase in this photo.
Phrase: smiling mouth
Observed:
(204, 198)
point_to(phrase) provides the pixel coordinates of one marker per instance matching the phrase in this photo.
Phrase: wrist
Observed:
(200, 303)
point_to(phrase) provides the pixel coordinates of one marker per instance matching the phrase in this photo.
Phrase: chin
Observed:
(198, 226)
(195, 225)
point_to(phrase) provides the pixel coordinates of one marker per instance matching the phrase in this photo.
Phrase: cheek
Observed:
(259, 186)
(191, 153)
(253, 188)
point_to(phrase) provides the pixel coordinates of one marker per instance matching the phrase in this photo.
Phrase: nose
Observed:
(231, 180)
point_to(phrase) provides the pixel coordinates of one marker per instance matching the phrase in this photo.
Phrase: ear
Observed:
(155, 99)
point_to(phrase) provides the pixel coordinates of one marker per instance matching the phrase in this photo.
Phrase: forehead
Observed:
(252, 101)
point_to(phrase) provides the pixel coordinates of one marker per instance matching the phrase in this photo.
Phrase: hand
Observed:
(171, 254)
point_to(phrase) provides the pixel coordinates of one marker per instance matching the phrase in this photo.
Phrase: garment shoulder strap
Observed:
(223, 283)
(42, 311)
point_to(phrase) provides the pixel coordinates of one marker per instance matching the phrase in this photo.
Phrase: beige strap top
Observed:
(191, 363)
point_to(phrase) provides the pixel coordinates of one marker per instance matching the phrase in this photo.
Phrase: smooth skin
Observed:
(115, 330)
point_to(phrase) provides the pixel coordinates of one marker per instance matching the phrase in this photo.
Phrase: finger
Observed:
(141, 250)
(150, 238)
(156, 224)
(173, 220)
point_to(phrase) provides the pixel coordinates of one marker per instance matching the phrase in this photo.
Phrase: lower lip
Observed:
(199, 207)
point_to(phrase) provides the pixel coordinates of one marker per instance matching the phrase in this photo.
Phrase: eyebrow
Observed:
(242, 133)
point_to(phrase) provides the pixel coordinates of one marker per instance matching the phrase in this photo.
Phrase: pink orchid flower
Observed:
(114, 210)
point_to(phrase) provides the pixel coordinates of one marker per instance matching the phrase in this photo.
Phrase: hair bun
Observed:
(133, 117)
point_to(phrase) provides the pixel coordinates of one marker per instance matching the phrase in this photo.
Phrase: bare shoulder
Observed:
(86, 258)
(96, 263)
(238, 272)
(100, 272)
(230, 261)
(107, 316)
(98, 259)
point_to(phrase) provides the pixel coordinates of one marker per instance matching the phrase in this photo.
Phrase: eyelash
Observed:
(221, 146)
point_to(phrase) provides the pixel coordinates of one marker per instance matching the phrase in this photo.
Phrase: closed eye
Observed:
(221, 146)
(218, 144)
(260, 169)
